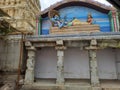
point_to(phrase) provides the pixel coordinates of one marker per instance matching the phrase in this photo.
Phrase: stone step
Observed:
(55, 87)
(64, 87)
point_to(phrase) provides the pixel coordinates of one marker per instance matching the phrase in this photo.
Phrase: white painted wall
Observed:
(107, 64)
(118, 62)
(76, 64)
(46, 63)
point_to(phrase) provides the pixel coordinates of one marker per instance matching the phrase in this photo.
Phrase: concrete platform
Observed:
(105, 85)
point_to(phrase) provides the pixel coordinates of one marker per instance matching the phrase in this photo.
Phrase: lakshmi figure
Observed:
(90, 19)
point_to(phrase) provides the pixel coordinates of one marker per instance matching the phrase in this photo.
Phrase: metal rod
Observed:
(20, 60)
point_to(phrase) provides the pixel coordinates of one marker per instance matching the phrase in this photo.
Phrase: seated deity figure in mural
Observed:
(90, 19)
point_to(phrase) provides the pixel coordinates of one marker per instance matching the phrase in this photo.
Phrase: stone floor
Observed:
(72, 85)
(8, 82)
(110, 84)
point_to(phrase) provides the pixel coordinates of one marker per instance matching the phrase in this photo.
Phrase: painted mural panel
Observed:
(45, 26)
(81, 13)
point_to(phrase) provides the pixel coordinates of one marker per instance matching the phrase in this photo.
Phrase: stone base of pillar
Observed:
(60, 82)
(95, 84)
(96, 88)
(29, 77)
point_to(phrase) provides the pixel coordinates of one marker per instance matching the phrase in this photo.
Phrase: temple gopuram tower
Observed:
(22, 13)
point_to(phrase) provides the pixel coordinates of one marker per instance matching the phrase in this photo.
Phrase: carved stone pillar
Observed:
(93, 68)
(93, 63)
(29, 76)
(60, 62)
(60, 67)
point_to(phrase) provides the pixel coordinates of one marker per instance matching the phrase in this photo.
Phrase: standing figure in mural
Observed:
(90, 19)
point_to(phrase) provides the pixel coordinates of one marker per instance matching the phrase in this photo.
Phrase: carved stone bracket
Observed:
(93, 45)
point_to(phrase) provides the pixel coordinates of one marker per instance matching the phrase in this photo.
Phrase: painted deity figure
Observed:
(58, 21)
(90, 19)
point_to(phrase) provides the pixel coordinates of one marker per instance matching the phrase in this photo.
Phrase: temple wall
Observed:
(9, 54)
(107, 68)
(76, 63)
(22, 13)
(45, 64)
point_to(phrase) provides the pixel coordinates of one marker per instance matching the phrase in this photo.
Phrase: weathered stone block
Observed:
(96, 88)
(60, 53)
(59, 42)
(8, 86)
(29, 77)
(93, 42)
(28, 44)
